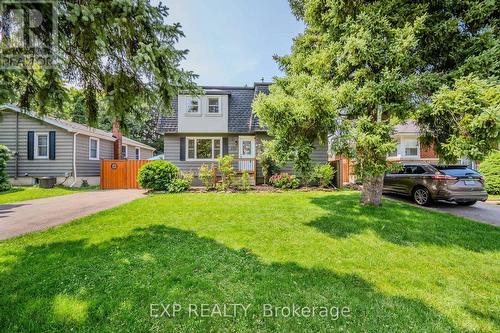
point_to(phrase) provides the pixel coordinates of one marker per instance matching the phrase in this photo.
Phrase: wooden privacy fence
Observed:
(120, 174)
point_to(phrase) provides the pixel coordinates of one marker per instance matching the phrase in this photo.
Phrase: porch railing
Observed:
(248, 165)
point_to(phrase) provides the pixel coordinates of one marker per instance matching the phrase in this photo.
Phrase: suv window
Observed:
(457, 171)
(413, 170)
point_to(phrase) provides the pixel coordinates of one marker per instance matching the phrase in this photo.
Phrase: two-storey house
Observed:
(217, 123)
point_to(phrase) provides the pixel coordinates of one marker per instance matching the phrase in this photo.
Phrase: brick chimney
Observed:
(117, 133)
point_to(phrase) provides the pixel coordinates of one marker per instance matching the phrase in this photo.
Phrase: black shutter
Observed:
(52, 145)
(182, 152)
(225, 146)
(31, 145)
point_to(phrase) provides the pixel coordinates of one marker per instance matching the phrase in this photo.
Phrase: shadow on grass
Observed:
(402, 224)
(110, 286)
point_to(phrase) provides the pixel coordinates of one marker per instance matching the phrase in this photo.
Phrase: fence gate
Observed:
(120, 174)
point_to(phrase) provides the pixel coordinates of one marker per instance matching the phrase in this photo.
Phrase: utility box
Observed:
(47, 182)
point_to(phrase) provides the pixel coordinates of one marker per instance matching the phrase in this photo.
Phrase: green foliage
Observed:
(490, 169)
(284, 181)
(245, 181)
(85, 183)
(227, 172)
(208, 176)
(324, 173)
(267, 161)
(464, 120)
(157, 175)
(121, 51)
(181, 183)
(4, 179)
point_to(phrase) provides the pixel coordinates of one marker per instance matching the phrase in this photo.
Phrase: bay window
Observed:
(203, 148)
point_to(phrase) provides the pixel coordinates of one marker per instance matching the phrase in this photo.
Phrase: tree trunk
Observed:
(372, 190)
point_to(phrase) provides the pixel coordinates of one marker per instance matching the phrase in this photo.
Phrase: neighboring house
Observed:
(409, 150)
(50, 147)
(219, 122)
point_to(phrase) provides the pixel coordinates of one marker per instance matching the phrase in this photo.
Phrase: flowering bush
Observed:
(284, 180)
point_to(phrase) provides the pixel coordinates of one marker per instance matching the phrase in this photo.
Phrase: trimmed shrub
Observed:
(284, 181)
(4, 179)
(490, 169)
(157, 175)
(323, 173)
(208, 176)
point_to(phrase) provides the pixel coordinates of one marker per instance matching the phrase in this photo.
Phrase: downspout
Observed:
(17, 146)
(74, 160)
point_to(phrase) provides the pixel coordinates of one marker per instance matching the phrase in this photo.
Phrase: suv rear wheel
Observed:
(422, 196)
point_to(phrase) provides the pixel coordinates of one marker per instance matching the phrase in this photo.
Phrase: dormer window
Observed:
(213, 105)
(193, 105)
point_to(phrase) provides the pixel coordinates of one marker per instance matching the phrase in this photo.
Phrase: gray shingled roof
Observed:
(240, 118)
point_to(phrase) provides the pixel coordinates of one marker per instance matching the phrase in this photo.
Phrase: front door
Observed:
(246, 153)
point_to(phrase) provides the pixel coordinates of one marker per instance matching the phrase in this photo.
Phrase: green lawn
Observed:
(23, 193)
(397, 268)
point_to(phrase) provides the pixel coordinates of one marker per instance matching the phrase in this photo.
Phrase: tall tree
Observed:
(123, 51)
(381, 61)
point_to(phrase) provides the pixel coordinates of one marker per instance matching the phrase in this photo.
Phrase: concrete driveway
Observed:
(485, 212)
(28, 216)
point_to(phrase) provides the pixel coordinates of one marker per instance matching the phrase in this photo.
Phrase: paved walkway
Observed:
(485, 212)
(27, 216)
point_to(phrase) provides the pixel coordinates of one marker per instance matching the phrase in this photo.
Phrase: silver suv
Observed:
(426, 182)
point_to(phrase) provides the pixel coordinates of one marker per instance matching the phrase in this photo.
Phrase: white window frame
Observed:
(126, 151)
(137, 156)
(36, 146)
(404, 145)
(189, 99)
(195, 138)
(90, 149)
(219, 103)
(240, 146)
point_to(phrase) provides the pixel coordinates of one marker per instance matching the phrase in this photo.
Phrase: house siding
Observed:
(37, 167)
(86, 167)
(172, 152)
(145, 153)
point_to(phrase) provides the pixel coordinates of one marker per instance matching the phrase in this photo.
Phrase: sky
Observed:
(231, 42)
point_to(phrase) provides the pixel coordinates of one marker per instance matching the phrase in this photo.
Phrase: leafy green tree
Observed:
(122, 51)
(348, 75)
(463, 120)
(362, 67)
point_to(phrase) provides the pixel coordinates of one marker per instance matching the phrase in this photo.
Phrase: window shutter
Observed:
(31, 145)
(52, 145)
(182, 152)
(225, 146)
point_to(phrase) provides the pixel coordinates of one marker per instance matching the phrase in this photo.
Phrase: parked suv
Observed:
(426, 182)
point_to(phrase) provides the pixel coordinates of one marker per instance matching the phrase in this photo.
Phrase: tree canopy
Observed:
(373, 65)
(122, 51)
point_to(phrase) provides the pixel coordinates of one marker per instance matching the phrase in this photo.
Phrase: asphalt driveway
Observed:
(485, 212)
(28, 216)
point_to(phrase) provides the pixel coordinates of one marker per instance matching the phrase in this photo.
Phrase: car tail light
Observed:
(444, 177)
